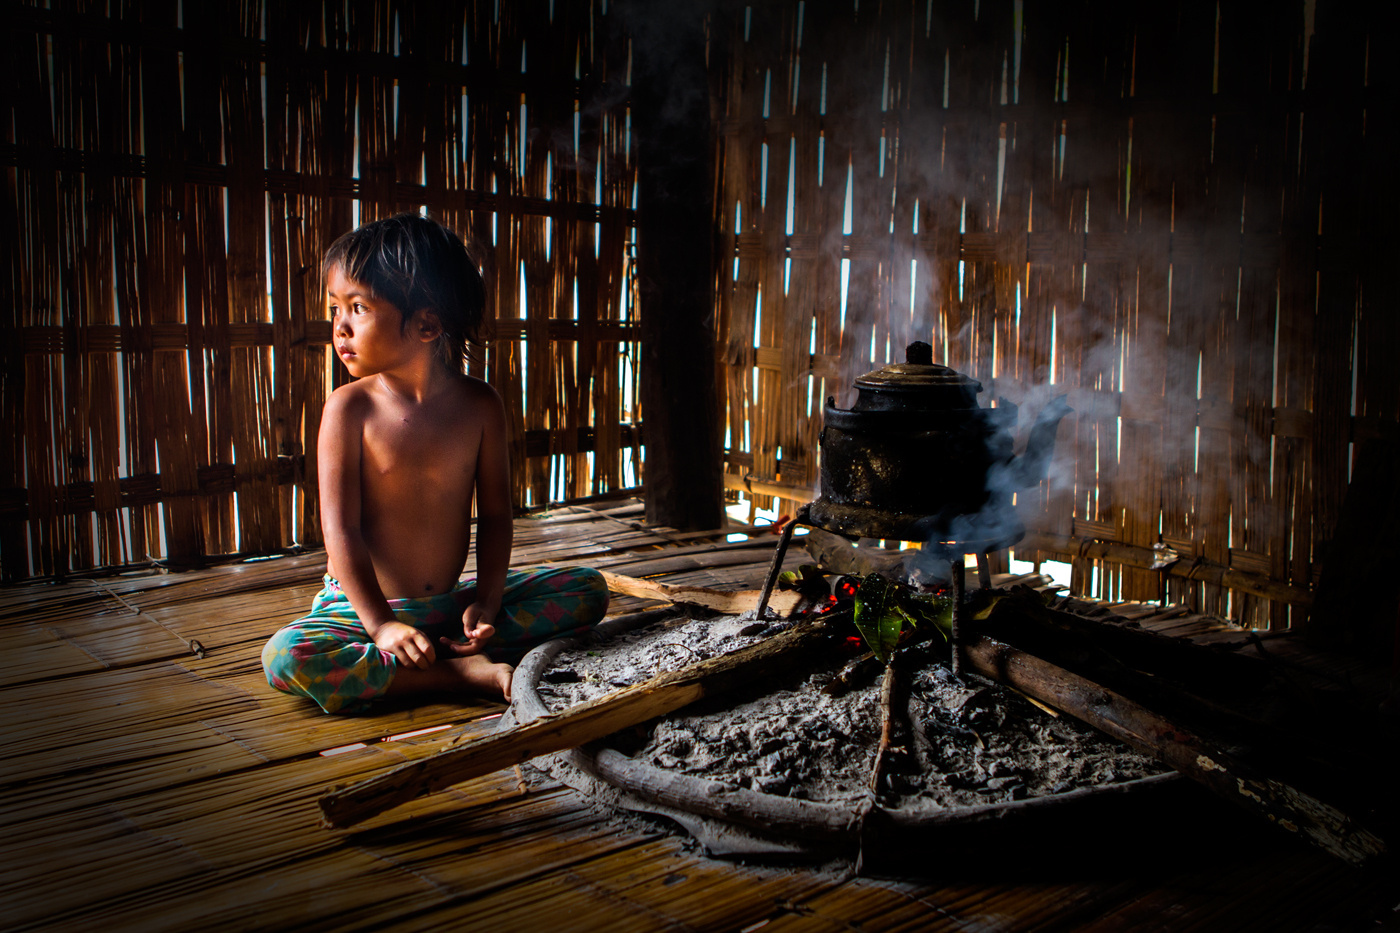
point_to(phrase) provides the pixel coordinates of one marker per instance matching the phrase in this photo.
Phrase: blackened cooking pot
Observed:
(916, 459)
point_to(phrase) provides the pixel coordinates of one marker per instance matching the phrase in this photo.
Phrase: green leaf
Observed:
(885, 609)
(878, 617)
(935, 611)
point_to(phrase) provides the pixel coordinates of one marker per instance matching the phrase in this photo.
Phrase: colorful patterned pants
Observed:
(329, 657)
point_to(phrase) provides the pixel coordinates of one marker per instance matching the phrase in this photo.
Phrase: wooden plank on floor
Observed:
(284, 727)
(151, 590)
(660, 879)
(185, 846)
(40, 653)
(427, 863)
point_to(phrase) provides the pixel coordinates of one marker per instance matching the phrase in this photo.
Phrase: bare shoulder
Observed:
(349, 397)
(481, 399)
(478, 390)
(349, 404)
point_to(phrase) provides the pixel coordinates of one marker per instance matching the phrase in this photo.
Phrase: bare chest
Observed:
(414, 452)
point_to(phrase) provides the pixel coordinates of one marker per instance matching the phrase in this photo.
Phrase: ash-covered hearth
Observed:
(973, 741)
(797, 753)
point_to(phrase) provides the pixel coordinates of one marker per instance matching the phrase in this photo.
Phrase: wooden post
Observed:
(675, 268)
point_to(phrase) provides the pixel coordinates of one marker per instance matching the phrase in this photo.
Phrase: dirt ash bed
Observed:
(968, 741)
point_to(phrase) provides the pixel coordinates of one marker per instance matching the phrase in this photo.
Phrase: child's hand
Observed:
(406, 643)
(477, 629)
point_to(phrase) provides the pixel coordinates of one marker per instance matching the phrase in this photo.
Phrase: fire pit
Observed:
(914, 459)
(786, 773)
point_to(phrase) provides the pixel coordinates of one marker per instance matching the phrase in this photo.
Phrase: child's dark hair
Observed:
(414, 262)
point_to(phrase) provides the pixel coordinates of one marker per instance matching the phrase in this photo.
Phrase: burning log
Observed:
(1174, 745)
(586, 722)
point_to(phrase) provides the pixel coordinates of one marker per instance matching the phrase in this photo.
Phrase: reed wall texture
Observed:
(1179, 214)
(173, 173)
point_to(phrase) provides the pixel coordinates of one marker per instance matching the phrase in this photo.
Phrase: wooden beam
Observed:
(730, 601)
(1145, 557)
(754, 486)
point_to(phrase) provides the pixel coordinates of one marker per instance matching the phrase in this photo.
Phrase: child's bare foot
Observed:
(480, 674)
(473, 673)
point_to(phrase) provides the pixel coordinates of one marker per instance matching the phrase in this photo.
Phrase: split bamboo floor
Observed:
(146, 787)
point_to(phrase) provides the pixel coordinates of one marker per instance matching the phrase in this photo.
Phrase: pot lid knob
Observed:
(919, 371)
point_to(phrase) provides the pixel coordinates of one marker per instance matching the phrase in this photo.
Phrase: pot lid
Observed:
(919, 372)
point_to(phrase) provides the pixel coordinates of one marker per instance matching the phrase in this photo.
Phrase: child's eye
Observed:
(358, 308)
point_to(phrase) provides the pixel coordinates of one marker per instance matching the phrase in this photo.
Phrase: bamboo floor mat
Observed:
(147, 787)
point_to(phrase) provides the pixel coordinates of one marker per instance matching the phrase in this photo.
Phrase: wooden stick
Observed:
(577, 725)
(776, 566)
(728, 601)
(886, 726)
(1193, 756)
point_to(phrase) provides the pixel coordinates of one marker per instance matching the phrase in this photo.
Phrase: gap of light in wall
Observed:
(847, 215)
(757, 314)
(1001, 175)
(791, 185)
(1059, 572)
(845, 289)
(763, 177)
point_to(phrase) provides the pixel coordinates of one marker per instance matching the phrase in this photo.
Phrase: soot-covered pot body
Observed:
(917, 459)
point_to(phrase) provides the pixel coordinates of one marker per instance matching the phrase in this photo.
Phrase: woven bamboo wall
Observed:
(172, 174)
(1124, 202)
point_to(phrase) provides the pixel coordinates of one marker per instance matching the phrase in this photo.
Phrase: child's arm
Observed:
(338, 452)
(494, 522)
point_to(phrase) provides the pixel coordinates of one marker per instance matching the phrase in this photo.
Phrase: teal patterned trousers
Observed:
(328, 656)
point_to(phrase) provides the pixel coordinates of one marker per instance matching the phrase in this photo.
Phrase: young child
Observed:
(404, 451)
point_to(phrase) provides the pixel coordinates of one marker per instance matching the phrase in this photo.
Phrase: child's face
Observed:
(369, 333)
